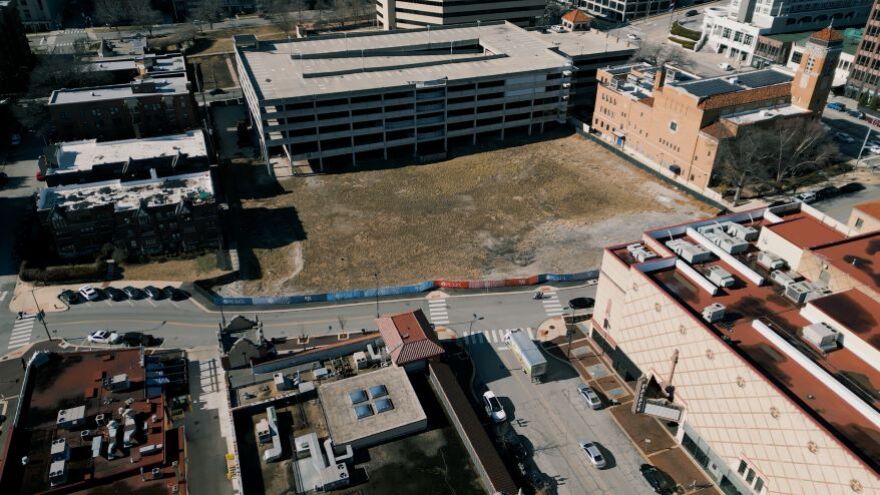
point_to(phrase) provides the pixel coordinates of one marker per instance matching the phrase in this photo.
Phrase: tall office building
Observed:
(394, 14)
(864, 77)
(15, 55)
(734, 29)
(624, 10)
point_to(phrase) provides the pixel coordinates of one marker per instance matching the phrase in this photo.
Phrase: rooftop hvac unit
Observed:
(741, 231)
(730, 244)
(58, 473)
(689, 252)
(784, 278)
(640, 252)
(713, 312)
(821, 336)
(798, 291)
(770, 261)
(58, 449)
(721, 277)
(156, 472)
(566, 73)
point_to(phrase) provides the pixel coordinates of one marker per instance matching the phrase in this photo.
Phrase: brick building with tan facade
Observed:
(677, 120)
(760, 331)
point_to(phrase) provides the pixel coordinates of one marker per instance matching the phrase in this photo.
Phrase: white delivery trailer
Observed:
(530, 357)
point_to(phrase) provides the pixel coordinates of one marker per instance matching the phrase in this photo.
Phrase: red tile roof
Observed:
(871, 208)
(806, 232)
(409, 337)
(576, 16)
(747, 96)
(827, 34)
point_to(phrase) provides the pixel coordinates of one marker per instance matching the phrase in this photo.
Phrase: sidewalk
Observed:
(646, 433)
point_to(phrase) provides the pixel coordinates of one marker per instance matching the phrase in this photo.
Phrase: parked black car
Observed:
(154, 292)
(852, 187)
(659, 481)
(133, 292)
(69, 297)
(174, 293)
(115, 294)
(136, 339)
(827, 192)
(581, 303)
(691, 13)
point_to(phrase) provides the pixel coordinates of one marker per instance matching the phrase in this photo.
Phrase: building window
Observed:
(859, 223)
(673, 126)
(742, 467)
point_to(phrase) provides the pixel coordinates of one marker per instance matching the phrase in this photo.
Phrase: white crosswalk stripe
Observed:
(494, 337)
(3, 295)
(438, 311)
(551, 303)
(21, 332)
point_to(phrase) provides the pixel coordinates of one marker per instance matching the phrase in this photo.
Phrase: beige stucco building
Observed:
(762, 329)
(677, 120)
(865, 217)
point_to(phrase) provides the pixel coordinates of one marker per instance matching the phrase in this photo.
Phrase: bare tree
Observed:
(774, 152)
(342, 11)
(143, 14)
(801, 145)
(552, 15)
(209, 11)
(287, 14)
(322, 6)
(110, 12)
(743, 158)
(660, 55)
(180, 36)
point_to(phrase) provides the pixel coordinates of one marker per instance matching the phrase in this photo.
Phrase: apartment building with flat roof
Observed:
(864, 77)
(678, 120)
(409, 14)
(156, 216)
(758, 332)
(90, 160)
(403, 93)
(147, 106)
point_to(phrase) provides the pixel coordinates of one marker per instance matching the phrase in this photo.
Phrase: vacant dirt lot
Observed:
(540, 207)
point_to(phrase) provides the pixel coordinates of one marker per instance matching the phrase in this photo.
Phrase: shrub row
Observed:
(64, 273)
(679, 30)
(686, 44)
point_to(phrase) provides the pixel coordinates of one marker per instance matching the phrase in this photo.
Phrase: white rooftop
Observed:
(170, 84)
(364, 61)
(83, 155)
(758, 115)
(196, 187)
(577, 43)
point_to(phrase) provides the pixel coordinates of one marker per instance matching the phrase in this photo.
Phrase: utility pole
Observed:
(41, 315)
(376, 276)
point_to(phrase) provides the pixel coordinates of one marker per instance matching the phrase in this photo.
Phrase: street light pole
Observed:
(41, 316)
(376, 276)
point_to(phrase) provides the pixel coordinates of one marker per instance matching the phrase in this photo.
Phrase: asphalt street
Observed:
(184, 324)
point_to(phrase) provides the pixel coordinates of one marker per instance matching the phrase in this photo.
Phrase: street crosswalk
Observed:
(438, 311)
(21, 332)
(551, 303)
(3, 294)
(493, 336)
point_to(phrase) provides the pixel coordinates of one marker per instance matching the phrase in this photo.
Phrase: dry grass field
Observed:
(547, 206)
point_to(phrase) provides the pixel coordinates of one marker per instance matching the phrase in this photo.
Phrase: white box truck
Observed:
(526, 351)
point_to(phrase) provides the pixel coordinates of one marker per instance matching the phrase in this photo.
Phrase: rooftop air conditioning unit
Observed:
(798, 292)
(741, 231)
(713, 312)
(770, 261)
(721, 277)
(784, 278)
(640, 253)
(821, 336)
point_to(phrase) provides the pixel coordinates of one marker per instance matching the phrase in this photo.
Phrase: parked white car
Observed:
(725, 66)
(633, 37)
(807, 197)
(594, 454)
(103, 337)
(590, 396)
(89, 293)
(493, 406)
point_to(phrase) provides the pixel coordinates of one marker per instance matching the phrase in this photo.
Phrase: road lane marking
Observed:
(3, 295)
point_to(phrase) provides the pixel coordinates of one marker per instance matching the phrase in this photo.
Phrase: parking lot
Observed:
(551, 419)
